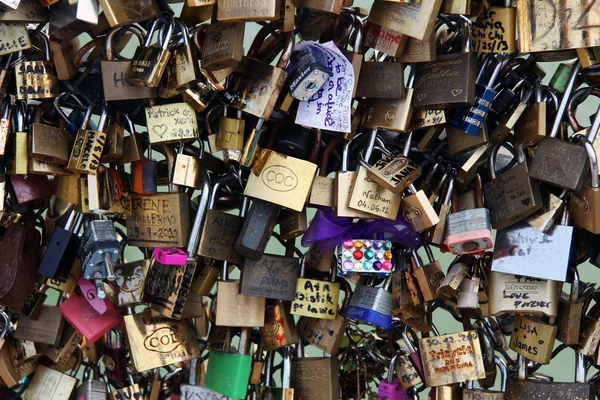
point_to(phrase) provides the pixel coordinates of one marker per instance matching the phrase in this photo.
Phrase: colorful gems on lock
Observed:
(364, 256)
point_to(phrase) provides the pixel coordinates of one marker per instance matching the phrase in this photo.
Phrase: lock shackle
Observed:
(286, 53)
(286, 372)
(412, 347)
(359, 28)
(111, 36)
(449, 187)
(299, 347)
(58, 108)
(429, 253)
(415, 257)
(269, 361)
(391, 372)
(45, 41)
(579, 96)
(591, 152)
(361, 155)
(20, 112)
(574, 292)
(6, 326)
(196, 230)
(335, 142)
(565, 100)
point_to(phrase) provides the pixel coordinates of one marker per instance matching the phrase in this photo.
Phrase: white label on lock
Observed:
(329, 108)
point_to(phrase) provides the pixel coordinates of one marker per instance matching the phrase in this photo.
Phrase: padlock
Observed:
(46, 328)
(458, 271)
(60, 254)
(131, 391)
(149, 63)
(279, 329)
(325, 334)
(447, 82)
(272, 277)
(88, 146)
(390, 387)
(438, 232)
(257, 97)
(371, 305)
(115, 71)
(513, 196)
(68, 19)
(285, 391)
(42, 385)
(533, 339)
(48, 143)
(99, 251)
(229, 374)
(325, 385)
(469, 231)
(223, 45)
(120, 13)
(231, 131)
(309, 72)
(152, 341)
(407, 19)
(428, 276)
(516, 294)
(531, 127)
(82, 316)
(570, 313)
(37, 79)
(498, 23)
(377, 80)
(471, 394)
(20, 162)
(92, 388)
(256, 229)
(145, 174)
(315, 298)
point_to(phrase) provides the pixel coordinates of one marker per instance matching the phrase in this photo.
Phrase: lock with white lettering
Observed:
(310, 71)
(149, 63)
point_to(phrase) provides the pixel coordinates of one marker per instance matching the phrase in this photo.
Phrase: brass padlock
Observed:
(88, 146)
(533, 339)
(37, 79)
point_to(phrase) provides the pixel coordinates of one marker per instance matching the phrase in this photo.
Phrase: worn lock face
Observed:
(385, 40)
(494, 31)
(171, 123)
(423, 118)
(381, 80)
(167, 288)
(315, 378)
(417, 50)
(131, 278)
(50, 384)
(46, 328)
(316, 299)
(446, 82)
(529, 389)
(452, 358)
(546, 255)
(158, 342)
(273, 277)
(36, 80)
(390, 114)
(280, 179)
(234, 309)
(223, 45)
(325, 334)
(49, 144)
(87, 150)
(14, 38)
(159, 220)
(512, 197)
(369, 197)
(559, 163)
(532, 339)
(234, 10)
(518, 294)
(406, 372)
(395, 172)
(577, 30)
(414, 20)
(219, 234)
(188, 171)
(279, 329)
(122, 12)
(116, 87)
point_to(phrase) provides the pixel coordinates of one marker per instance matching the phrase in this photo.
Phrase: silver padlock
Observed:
(99, 252)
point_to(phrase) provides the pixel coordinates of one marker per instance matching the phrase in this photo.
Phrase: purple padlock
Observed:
(389, 388)
(414, 355)
(170, 256)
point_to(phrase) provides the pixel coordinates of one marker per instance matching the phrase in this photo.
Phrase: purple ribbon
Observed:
(329, 231)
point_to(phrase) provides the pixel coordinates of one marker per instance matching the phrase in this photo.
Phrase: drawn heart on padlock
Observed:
(456, 92)
(273, 272)
(119, 4)
(421, 96)
(541, 342)
(434, 69)
(160, 130)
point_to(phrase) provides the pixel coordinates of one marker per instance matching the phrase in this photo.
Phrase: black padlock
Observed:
(258, 227)
(309, 71)
(62, 249)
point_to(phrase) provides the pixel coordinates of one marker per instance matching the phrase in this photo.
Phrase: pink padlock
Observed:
(87, 320)
(88, 289)
(170, 256)
(390, 388)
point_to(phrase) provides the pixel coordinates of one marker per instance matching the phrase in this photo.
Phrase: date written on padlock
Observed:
(160, 220)
(171, 123)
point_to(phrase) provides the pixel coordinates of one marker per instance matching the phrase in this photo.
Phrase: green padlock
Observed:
(228, 373)
(560, 79)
